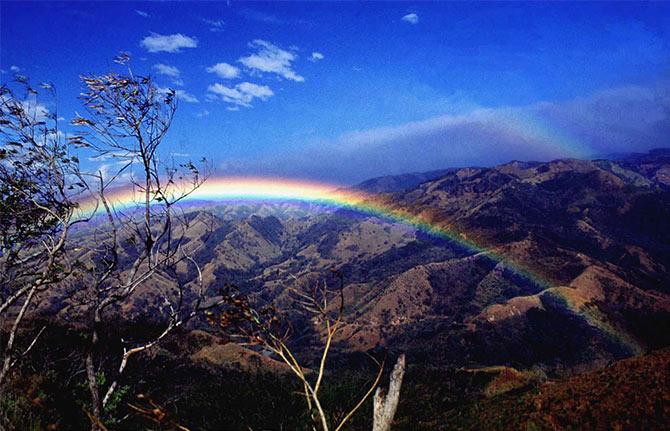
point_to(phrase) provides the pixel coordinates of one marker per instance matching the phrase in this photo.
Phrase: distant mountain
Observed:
(596, 234)
(405, 182)
(493, 344)
(399, 183)
(656, 154)
(597, 231)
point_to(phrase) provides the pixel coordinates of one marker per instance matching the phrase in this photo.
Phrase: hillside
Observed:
(595, 235)
(596, 232)
(628, 394)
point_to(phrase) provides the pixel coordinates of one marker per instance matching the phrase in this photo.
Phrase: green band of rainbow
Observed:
(236, 189)
(223, 189)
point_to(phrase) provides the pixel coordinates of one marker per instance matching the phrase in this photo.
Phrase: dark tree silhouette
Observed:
(38, 192)
(268, 328)
(127, 117)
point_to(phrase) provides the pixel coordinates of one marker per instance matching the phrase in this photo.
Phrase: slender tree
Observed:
(127, 118)
(38, 193)
(265, 327)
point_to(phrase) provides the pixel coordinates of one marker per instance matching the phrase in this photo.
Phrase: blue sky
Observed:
(342, 92)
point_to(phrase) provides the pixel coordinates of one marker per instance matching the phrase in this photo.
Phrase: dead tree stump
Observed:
(385, 405)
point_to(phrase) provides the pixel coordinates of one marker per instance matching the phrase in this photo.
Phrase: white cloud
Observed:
(113, 155)
(215, 26)
(271, 59)
(15, 69)
(316, 56)
(142, 13)
(411, 18)
(242, 94)
(168, 43)
(259, 16)
(110, 164)
(203, 113)
(57, 136)
(179, 94)
(164, 69)
(114, 170)
(224, 70)
(186, 97)
(624, 119)
(261, 91)
(170, 71)
(34, 109)
(30, 106)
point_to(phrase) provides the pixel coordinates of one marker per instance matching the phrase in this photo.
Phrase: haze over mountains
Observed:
(596, 234)
(584, 280)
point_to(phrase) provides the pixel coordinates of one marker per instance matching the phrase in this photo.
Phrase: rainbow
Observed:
(237, 189)
(596, 319)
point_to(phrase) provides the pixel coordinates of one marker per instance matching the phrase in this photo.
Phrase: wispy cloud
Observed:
(142, 13)
(269, 58)
(34, 109)
(202, 114)
(15, 69)
(632, 118)
(169, 71)
(121, 171)
(186, 97)
(267, 18)
(224, 70)
(168, 43)
(411, 18)
(258, 16)
(215, 26)
(316, 56)
(164, 69)
(113, 155)
(110, 165)
(180, 94)
(242, 94)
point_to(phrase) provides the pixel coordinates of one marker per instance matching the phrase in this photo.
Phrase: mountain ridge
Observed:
(595, 233)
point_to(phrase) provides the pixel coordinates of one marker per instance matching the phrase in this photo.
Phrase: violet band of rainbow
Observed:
(228, 189)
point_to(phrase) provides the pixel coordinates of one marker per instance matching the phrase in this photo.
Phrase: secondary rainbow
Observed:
(236, 189)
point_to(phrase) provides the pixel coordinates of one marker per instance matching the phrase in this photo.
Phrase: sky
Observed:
(342, 92)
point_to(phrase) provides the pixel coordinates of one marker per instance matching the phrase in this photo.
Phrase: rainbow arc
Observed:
(239, 189)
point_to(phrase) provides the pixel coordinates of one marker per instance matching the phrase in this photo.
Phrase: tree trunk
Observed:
(95, 392)
(385, 405)
(9, 349)
(91, 375)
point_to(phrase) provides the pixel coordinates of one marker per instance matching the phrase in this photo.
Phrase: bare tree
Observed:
(266, 328)
(38, 192)
(127, 118)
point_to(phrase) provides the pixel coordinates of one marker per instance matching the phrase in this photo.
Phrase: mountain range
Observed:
(594, 234)
(571, 274)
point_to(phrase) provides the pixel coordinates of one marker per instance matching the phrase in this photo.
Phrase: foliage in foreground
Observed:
(47, 391)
